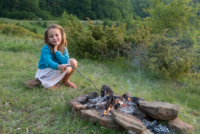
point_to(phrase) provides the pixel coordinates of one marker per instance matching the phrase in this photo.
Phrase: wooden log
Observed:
(80, 106)
(89, 105)
(32, 83)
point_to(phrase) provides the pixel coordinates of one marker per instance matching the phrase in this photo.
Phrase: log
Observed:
(80, 107)
(89, 105)
(32, 83)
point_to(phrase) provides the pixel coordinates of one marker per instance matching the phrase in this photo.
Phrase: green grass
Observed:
(47, 111)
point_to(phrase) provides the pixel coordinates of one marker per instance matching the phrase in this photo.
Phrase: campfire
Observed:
(107, 102)
(119, 112)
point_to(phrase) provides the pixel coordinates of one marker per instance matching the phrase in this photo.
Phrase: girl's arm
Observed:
(63, 59)
(46, 56)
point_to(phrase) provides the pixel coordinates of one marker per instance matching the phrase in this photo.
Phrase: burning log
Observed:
(109, 101)
(133, 99)
(105, 91)
(90, 96)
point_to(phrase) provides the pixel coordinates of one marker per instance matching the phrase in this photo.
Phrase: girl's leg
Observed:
(69, 73)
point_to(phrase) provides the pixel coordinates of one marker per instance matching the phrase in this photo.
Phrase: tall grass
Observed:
(47, 111)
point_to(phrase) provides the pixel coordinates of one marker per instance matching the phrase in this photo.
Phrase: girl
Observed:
(54, 58)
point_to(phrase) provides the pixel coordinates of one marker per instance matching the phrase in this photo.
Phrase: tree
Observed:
(43, 4)
(174, 15)
(139, 5)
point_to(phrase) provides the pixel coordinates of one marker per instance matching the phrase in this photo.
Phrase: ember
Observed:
(107, 102)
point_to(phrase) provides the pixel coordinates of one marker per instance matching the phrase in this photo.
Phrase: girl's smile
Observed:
(54, 36)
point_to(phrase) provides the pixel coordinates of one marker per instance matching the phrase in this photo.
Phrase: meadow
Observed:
(40, 110)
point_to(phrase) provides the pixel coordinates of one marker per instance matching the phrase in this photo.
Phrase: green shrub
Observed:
(34, 30)
(140, 40)
(17, 30)
(169, 61)
(97, 42)
(45, 24)
(39, 20)
(107, 22)
(39, 36)
(67, 19)
(3, 22)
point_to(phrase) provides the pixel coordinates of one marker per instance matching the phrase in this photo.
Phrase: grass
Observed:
(47, 111)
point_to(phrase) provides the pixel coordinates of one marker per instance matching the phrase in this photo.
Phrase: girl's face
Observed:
(54, 36)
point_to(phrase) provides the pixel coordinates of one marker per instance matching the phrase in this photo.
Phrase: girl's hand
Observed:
(62, 68)
(55, 48)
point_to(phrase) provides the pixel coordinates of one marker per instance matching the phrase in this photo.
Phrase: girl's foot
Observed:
(70, 84)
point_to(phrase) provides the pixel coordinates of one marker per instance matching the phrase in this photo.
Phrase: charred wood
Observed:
(109, 101)
(106, 90)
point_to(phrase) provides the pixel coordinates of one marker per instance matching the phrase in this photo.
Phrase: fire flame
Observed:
(105, 111)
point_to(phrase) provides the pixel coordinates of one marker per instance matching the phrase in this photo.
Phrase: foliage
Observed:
(45, 24)
(67, 19)
(107, 22)
(140, 39)
(28, 28)
(49, 9)
(139, 6)
(174, 15)
(99, 41)
(18, 30)
(3, 22)
(169, 61)
(19, 15)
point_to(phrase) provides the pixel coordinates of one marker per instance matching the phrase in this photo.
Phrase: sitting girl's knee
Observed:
(69, 69)
(73, 62)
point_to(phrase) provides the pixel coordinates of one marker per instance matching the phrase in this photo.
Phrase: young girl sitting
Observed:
(54, 58)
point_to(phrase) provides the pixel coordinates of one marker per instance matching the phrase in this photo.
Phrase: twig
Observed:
(83, 76)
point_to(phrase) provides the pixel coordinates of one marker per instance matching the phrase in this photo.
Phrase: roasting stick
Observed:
(83, 76)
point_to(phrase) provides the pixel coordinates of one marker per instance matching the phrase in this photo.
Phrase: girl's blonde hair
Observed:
(63, 38)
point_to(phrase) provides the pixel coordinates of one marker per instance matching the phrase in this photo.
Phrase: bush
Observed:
(39, 20)
(107, 22)
(17, 30)
(67, 19)
(3, 22)
(45, 24)
(34, 30)
(169, 61)
(97, 42)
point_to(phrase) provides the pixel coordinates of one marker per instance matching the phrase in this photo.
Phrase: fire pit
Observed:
(119, 112)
